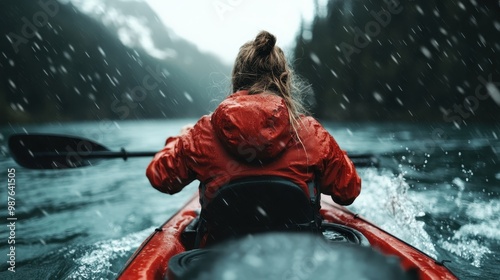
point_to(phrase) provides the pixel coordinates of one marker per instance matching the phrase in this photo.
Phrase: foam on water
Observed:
(468, 241)
(387, 201)
(384, 200)
(97, 261)
(470, 250)
(488, 217)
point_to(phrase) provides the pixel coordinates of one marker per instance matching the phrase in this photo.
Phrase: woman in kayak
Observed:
(259, 130)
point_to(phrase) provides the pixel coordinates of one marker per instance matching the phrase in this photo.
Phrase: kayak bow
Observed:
(151, 259)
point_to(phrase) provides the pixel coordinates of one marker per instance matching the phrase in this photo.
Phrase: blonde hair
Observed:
(262, 67)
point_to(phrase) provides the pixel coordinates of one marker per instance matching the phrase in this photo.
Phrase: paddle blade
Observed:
(37, 151)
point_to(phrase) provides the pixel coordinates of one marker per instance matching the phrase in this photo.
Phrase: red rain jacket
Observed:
(249, 135)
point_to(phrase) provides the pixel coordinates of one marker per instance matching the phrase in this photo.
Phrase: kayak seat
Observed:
(258, 204)
(337, 233)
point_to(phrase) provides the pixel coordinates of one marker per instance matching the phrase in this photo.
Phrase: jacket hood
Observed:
(252, 127)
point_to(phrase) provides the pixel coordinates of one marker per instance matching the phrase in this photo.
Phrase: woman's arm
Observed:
(168, 171)
(339, 178)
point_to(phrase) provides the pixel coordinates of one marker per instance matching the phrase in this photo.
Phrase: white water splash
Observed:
(98, 261)
(469, 250)
(385, 202)
(486, 223)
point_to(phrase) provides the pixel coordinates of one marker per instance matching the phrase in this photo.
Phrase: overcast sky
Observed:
(222, 26)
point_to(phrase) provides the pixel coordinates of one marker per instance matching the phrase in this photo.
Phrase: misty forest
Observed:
(365, 61)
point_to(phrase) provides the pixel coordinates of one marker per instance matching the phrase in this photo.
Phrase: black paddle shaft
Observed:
(48, 151)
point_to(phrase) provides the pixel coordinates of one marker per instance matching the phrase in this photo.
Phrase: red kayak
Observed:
(170, 243)
(249, 207)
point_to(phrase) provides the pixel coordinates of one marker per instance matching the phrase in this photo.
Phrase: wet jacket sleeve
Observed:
(168, 171)
(340, 179)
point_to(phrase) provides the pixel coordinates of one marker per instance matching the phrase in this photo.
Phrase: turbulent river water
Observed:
(438, 188)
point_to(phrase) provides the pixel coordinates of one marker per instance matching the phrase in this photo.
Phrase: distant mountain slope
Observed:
(59, 64)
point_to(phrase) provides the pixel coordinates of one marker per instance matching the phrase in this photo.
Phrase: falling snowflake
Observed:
(188, 97)
(378, 97)
(426, 52)
(12, 84)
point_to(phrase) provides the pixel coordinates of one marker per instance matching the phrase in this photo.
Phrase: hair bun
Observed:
(264, 43)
